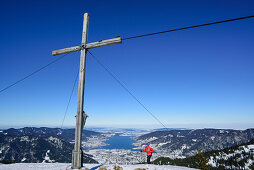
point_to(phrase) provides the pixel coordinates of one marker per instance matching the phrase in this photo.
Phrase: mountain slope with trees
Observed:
(39, 145)
(186, 143)
(235, 157)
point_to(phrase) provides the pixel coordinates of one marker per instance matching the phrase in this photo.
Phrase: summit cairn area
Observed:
(58, 166)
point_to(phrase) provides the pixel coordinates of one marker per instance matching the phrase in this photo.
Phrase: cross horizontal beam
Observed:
(117, 40)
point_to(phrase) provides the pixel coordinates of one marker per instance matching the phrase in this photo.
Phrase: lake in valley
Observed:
(119, 142)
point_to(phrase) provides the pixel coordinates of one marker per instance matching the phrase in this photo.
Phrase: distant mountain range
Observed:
(163, 129)
(40, 144)
(43, 144)
(235, 157)
(66, 134)
(185, 143)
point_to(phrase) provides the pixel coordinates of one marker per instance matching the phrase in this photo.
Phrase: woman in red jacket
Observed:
(149, 152)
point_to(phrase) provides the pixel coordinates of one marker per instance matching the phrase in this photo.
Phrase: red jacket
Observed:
(148, 150)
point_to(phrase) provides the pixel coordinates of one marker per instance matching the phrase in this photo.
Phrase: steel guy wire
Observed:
(125, 88)
(189, 27)
(67, 107)
(34, 72)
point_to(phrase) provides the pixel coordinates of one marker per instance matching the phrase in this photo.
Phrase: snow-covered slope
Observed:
(36, 149)
(185, 143)
(235, 157)
(63, 166)
(239, 157)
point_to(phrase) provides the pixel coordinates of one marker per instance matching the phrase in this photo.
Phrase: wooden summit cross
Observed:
(81, 116)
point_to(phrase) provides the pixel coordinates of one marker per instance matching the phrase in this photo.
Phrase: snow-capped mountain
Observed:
(66, 134)
(184, 143)
(38, 145)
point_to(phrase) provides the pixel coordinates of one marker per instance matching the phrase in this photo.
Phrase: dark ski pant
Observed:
(148, 159)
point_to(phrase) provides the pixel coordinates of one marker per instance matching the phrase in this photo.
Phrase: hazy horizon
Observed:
(148, 127)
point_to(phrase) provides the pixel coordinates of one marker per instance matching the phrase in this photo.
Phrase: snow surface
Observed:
(47, 158)
(63, 166)
(251, 146)
(212, 162)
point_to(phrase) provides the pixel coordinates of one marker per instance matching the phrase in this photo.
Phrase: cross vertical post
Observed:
(77, 153)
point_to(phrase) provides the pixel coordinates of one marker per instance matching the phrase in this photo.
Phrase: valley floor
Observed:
(63, 166)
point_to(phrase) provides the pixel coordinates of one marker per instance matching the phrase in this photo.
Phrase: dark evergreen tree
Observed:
(202, 161)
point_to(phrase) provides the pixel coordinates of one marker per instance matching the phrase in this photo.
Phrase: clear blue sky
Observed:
(202, 77)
